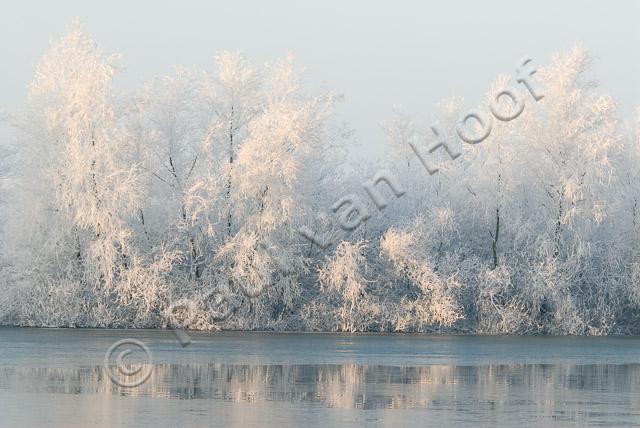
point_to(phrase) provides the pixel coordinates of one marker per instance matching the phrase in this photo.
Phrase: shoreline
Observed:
(337, 333)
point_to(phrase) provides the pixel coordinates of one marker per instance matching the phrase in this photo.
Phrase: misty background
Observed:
(378, 54)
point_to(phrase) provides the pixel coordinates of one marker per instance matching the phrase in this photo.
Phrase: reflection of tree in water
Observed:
(352, 386)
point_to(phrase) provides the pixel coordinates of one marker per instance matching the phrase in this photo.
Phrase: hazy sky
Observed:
(378, 54)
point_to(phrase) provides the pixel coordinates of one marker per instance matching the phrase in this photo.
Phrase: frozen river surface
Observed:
(58, 378)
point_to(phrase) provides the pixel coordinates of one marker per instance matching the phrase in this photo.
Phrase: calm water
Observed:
(58, 378)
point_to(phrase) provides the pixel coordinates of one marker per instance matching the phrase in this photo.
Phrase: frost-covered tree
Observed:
(63, 132)
(286, 136)
(531, 205)
(431, 299)
(342, 280)
(77, 187)
(223, 153)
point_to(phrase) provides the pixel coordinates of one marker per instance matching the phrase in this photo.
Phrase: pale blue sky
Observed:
(378, 54)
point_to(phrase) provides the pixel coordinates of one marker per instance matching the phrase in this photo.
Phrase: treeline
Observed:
(182, 204)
